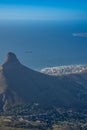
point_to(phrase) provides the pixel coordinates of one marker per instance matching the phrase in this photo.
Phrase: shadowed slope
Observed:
(19, 84)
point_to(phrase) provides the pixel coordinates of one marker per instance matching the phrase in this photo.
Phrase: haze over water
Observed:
(44, 33)
(44, 44)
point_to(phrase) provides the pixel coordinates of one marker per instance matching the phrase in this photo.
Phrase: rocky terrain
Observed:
(32, 100)
(21, 85)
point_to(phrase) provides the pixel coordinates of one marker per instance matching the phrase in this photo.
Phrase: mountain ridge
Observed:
(20, 84)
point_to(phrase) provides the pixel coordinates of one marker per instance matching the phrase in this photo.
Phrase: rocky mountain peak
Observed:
(11, 58)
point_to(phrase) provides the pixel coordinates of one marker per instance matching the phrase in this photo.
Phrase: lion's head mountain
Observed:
(20, 85)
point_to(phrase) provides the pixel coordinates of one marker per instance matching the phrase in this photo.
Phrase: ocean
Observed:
(41, 44)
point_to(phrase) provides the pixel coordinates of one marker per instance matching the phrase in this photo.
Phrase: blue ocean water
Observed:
(44, 44)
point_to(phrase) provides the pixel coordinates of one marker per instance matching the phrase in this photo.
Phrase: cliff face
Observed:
(19, 84)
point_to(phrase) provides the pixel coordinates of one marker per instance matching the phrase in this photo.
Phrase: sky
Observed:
(43, 9)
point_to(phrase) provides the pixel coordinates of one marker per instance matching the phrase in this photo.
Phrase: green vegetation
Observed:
(9, 128)
(35, 117)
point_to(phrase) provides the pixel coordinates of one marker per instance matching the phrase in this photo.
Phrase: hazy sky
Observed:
(43, 9)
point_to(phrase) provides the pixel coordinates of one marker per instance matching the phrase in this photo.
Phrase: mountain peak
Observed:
(11, 58)
(21, 85)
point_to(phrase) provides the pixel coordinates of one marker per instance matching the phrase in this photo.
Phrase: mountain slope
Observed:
(19, 84)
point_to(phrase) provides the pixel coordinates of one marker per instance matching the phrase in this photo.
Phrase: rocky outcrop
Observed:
(19, 85)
